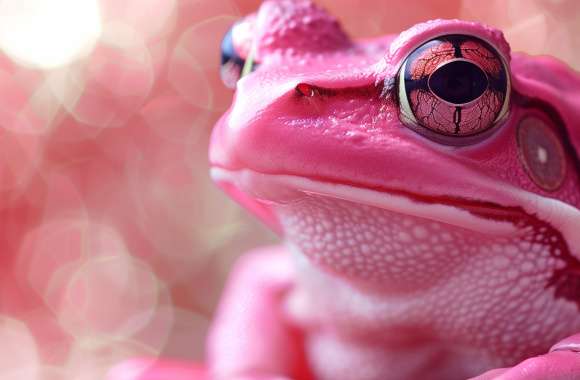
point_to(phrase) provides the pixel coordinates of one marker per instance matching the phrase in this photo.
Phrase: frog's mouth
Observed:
(407, 241)
(258, 192)
(493, 216)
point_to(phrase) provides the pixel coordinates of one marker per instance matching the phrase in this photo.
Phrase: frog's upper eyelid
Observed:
(498, 51)
(419, 34)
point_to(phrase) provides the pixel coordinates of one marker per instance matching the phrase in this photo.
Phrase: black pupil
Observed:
(458, 82)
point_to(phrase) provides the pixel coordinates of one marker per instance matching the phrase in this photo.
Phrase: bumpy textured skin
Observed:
(404, 258)
(281, 28)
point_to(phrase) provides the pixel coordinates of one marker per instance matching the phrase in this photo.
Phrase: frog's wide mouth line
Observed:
(483, 217)
(487, 217)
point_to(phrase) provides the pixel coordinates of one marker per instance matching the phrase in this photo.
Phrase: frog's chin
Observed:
(497, 217)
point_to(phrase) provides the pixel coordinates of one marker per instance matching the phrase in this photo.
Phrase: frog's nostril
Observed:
(305, 89)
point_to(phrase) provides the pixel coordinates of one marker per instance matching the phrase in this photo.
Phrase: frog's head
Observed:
(440, 124)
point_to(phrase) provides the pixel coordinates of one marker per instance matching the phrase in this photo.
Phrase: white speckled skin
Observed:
(420, 287)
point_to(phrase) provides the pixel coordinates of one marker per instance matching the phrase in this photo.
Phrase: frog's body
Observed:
(418, 246)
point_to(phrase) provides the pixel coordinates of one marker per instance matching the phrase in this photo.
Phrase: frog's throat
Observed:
(489, 216)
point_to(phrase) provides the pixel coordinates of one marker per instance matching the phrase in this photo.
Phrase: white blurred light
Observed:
(48, 33)
(19, 358)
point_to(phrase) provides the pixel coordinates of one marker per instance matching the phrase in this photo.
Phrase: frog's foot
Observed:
(561, 363)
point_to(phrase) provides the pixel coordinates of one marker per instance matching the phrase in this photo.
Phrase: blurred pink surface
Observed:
(114, 241)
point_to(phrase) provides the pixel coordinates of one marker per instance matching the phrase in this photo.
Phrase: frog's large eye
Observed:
(233, 65)
(454, 85)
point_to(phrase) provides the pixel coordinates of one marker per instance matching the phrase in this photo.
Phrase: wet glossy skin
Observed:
(431, 230)
(423, 246)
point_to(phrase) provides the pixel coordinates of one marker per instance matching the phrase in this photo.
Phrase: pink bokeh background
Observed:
(114, 243)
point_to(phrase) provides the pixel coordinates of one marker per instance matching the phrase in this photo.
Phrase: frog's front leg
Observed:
(250, 337)
(561, 363)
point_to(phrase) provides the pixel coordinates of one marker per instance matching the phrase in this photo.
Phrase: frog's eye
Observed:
(233, 65)
(453, 86)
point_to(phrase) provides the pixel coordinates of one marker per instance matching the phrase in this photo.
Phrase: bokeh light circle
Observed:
(109, 89)
(19, 359)
(193, 69)
(48, 33)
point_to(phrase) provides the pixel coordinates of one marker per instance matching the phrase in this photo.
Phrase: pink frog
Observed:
(427, 189)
